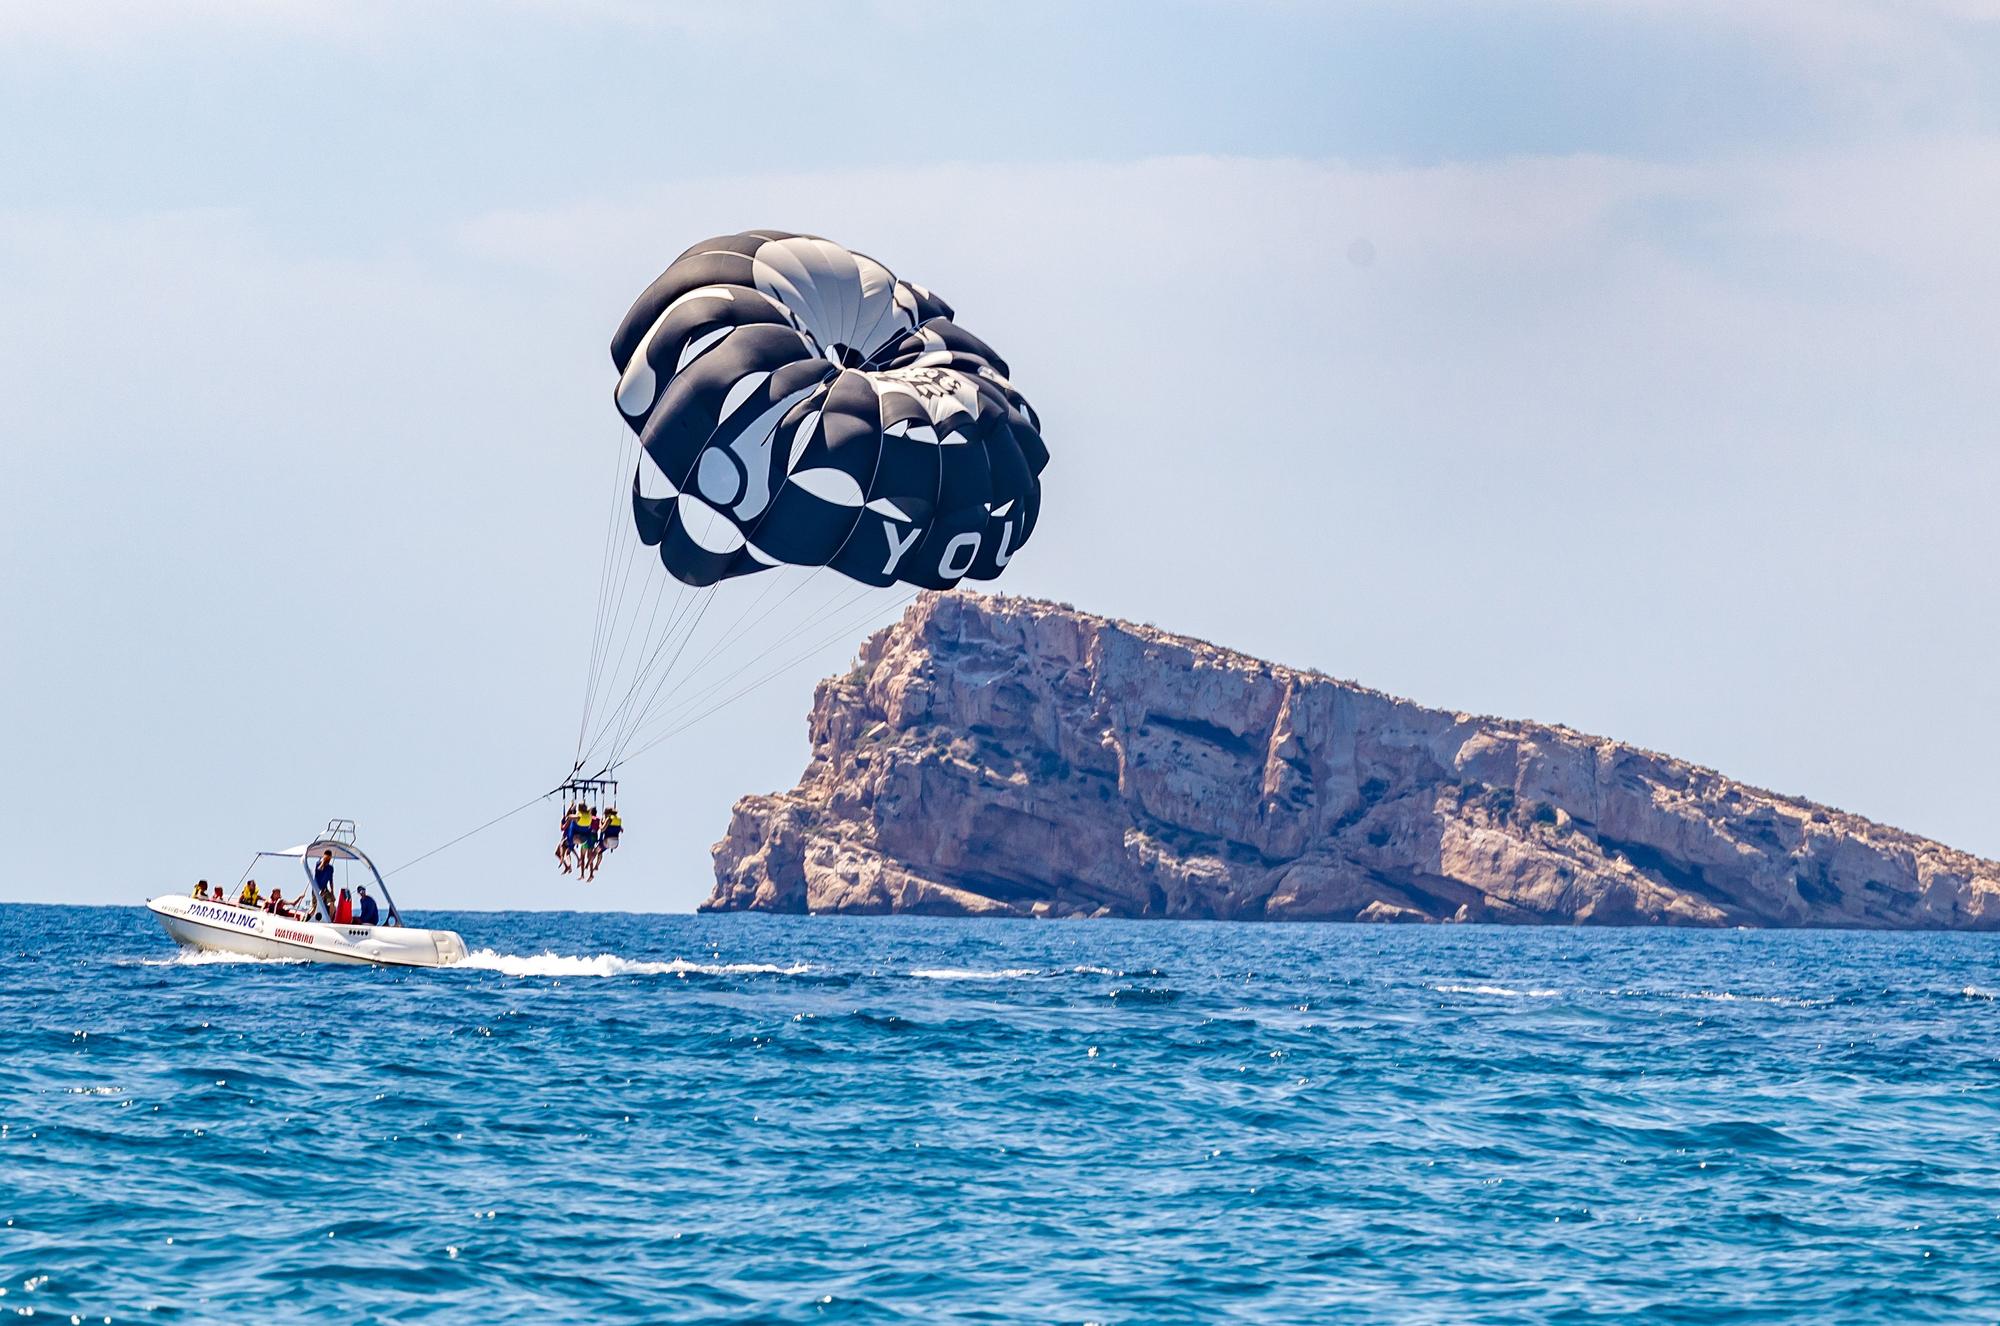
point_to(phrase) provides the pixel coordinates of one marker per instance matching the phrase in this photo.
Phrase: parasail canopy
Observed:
(797, 404)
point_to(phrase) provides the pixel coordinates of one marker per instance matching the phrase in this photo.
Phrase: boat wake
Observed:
(194, 957)
(610, 964)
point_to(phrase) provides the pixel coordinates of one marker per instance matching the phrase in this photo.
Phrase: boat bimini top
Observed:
(338, 839)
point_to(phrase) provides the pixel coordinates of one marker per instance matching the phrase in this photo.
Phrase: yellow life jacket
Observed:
(584, 820)
(612, 821)
(250, 898)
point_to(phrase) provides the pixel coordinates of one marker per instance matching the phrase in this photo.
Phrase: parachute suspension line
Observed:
(607, 563)
(667, 672)
(617, 612)
(617, 669)
(612, 541)
(806, 623)
(649, 655)
(669, 713)
(844, 632)
(648, 652)
(615, 617)
(729, 637)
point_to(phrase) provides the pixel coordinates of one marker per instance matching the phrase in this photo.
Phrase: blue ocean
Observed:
(746, 1118)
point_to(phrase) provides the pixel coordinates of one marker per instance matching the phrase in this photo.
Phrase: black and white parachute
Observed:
(796, 404)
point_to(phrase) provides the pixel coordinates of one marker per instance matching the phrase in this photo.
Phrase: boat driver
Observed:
(323, 880)
(365, 911)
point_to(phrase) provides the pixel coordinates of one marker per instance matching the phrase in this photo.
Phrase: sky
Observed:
(1626, 365)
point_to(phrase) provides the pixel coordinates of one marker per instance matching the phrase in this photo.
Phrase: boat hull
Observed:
(220, 928)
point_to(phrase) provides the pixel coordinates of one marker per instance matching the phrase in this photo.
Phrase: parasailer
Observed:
(566, 845)
(794, 405)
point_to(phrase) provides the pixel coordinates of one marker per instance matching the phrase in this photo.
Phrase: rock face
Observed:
(1003, 757)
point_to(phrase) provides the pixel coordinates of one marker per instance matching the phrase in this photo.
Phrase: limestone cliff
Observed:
(997, 756)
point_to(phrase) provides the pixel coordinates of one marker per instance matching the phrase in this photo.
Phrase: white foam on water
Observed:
(610, 964)
(192, 957)
(973, 973)
(1722, 997)
(1975, 992)
(1498, 991)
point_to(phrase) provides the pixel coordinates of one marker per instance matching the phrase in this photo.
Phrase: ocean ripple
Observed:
(811, 1119)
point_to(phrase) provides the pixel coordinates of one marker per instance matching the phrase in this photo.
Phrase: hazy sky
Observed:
(1626, 365)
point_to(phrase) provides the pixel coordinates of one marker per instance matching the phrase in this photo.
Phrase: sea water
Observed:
(617, 1117)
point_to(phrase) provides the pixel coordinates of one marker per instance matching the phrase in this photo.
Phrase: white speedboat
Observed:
(220, 926)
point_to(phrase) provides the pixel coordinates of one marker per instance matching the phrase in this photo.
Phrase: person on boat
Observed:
(201, 890)
(250, 897)
(614, 828)
(323, 880)
(343, 912)
(366, 913)
(275, 904)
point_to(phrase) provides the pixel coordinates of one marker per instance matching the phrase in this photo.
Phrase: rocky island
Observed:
(994, 756)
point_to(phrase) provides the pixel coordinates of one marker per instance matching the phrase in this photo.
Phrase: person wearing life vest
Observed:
(201, 890)
(614, 828)
(250, 897)
(567, 843)
(586, 840)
